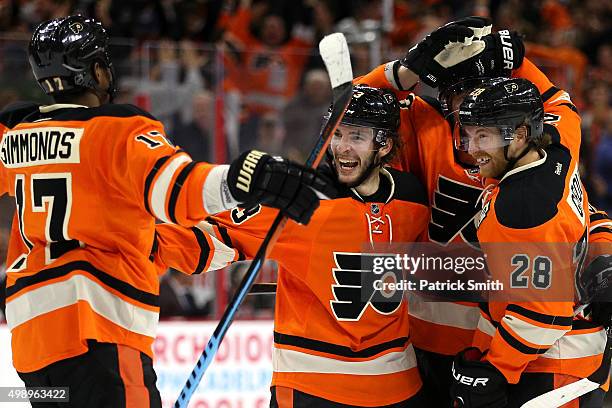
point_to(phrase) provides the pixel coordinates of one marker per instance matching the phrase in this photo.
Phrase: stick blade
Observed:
(563, 395)
(335, 53)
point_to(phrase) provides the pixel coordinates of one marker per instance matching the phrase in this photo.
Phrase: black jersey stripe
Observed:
(149, 180)
(539, 317)
(516, 344)
(176, 190)
(549, 93)
(330, 348)
(204, 250)
(120, 286)
(600, 230)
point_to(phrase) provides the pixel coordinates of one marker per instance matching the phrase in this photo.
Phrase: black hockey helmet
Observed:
(504, 103)
(373, 108)
(457, 88)
(63, 51)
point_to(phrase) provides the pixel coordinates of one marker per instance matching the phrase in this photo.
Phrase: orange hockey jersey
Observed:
(335, 336)
(543, 208)
(453, 192)
(88, 184)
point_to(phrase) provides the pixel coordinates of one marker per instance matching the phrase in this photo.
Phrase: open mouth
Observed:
(482, 161)
(346, 164)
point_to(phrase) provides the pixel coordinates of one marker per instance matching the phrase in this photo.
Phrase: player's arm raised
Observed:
(174, 188)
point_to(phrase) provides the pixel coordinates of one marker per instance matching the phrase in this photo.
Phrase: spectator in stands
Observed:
(270, 134)
(178, 296)
(261, 306)
(195, 135)
(603, 163)
(174, 79)
(312, 102)
(264, 63)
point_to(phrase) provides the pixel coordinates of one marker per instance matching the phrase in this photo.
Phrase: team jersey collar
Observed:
(528, 166)
(56, 106)
(385, 173)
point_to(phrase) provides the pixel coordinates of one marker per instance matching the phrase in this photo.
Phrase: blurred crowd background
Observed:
(230, 75)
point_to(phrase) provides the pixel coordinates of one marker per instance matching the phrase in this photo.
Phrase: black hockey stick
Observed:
(335, 54)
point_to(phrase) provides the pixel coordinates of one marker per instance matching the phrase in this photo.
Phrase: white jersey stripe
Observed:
(162, 186)
(542, 336)
(292, 361)
(578, 346)
(445, 313)
(56, 295)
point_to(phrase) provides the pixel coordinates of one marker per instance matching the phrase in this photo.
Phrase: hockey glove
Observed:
(503, 52)
(595, 287)
(477, 383)
(258, 178)
(445, 47)
(595, 281)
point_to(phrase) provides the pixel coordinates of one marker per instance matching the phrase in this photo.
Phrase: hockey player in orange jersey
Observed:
(442, 329)
(532, 345)
(89, 179)
(338, 341)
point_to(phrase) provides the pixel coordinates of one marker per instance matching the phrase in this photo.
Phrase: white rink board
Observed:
(238, 378)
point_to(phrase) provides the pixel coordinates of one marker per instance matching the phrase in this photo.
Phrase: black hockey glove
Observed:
(503, 51)
(595, 287)
(445, 47)
(595, 281)
(258, 178)
(477, 383)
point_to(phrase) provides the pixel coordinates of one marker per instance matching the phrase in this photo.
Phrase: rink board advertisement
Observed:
(238, 378)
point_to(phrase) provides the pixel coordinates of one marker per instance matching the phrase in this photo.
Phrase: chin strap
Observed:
(512, 161)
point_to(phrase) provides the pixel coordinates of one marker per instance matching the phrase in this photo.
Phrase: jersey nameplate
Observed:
(575, 196)
(38, 146)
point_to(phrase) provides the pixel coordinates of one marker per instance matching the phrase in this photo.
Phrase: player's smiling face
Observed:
(486, 146)
(353, 151)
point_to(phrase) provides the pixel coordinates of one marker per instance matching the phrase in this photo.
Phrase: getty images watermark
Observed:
(458, 272)
(385, 265)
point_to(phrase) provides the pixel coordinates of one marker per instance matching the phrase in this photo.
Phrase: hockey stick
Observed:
(570, 392)
(563, 395)
(335, 54)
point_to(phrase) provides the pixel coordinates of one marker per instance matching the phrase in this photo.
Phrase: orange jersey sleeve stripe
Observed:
(130, 370)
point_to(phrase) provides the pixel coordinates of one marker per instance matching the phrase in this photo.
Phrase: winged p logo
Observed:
(354, 288)
(454, 206)
(511, 87)
(76, 27)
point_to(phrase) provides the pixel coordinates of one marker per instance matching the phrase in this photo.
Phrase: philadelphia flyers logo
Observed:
(76, 27)
(354, 287)
(453, 208)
